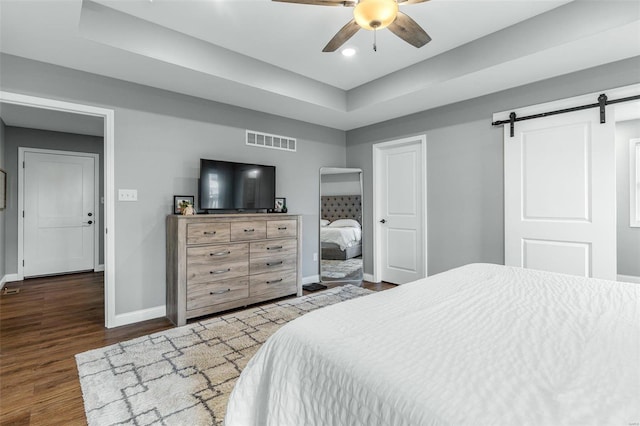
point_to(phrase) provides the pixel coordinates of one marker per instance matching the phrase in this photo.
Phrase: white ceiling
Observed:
(267, 56)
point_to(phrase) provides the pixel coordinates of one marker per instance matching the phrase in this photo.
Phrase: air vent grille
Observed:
(266, 140)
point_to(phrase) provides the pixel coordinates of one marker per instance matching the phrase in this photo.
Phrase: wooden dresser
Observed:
(224, 261)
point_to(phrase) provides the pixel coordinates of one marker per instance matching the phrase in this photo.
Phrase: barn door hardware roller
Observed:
(603, 101)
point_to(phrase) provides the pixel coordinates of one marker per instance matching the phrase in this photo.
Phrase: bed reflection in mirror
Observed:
(341, 225)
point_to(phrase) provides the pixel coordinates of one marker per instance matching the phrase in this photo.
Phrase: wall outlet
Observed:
(127, 195)
(315, 257)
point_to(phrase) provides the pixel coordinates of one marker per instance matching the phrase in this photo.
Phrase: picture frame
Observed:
(178, 199)
(3, 189)
(280, 204)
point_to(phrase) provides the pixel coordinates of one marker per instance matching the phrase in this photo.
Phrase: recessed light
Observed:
(348, 52)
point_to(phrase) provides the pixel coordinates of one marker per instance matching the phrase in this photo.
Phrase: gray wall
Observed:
(628, 237)
(159, 138)
(31, 138)
(3, 213)
(465, 163)
(340, 184)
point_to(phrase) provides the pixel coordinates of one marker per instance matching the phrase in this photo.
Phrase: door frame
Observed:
(96, 200)
(377, 153)
(108, 115)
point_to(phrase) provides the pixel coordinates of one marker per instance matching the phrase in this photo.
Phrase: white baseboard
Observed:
(368, 277)
(311, 279)
(9, 278)
(137, 316)
(629, 279)
(12, 277)
(99, 268)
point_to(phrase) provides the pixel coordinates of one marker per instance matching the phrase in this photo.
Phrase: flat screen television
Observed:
(225, 185)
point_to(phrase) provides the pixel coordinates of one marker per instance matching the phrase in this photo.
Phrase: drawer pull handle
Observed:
(219, 291)
(282, 228)
(220, 253)
(274, 263)
(221, 271)
(209, 232)
(274, 248)
(249, 230)
(274, 281)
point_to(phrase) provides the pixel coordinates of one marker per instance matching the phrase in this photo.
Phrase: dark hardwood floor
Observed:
(42, 327)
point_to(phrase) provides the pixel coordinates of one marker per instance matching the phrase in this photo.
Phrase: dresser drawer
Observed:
(262, 249)
(282, 228)
(217, 262)
(206, 233)
(207, 294)
(272, 263)
(244, 231)
(273, 284)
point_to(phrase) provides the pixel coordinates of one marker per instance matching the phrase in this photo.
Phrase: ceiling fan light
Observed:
(375, 14)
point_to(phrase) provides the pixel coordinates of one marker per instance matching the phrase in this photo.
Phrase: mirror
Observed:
(341, 225)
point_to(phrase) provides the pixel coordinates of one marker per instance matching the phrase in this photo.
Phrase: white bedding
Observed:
(481, 344)
(341, 236)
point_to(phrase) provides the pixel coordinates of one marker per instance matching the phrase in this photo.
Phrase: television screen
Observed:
(236, 186)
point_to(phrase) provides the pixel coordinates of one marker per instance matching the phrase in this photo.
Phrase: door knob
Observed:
(89, 223)
(383, 221)
(90, 214)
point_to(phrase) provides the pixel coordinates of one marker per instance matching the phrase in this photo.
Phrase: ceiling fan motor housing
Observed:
(375, 14)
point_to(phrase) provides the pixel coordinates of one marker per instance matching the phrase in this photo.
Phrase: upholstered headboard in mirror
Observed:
(341, 207)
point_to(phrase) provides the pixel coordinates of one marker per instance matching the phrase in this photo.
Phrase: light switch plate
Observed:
(127, 195)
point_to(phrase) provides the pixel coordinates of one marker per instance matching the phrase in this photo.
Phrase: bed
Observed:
(481, 344)
(340, 239)
(340, 242)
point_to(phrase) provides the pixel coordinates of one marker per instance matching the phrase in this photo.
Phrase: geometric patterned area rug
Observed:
(340, 268)
(184, 376)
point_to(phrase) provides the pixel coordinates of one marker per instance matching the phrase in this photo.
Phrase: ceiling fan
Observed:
(373, 15)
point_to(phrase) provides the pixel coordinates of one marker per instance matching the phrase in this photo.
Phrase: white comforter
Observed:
(482, 345)
(343, 237)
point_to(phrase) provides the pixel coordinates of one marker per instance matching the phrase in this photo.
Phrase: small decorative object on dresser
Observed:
(188, 210)
(181, 202)
(224, 261)
(281, 205)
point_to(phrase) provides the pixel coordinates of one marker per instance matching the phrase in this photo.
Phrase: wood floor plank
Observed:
(42, 328)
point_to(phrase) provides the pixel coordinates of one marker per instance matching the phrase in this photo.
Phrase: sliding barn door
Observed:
(560, 201)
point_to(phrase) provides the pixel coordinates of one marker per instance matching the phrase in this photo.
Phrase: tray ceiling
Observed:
(267, 56)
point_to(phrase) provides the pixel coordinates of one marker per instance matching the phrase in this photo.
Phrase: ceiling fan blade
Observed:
(342, 36)
(347, 3)
(408, 30)
(411, 1)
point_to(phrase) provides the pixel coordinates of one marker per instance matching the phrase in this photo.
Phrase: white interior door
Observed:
(560, 190)
(59, 213)
(400, 183)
